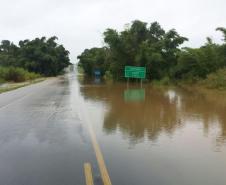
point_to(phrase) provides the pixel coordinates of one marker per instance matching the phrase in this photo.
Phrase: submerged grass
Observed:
(216, 80)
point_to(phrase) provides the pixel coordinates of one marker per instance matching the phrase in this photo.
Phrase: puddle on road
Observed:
(159, 136)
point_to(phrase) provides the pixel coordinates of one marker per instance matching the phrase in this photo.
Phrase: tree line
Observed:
(150, 46)
(40, 56)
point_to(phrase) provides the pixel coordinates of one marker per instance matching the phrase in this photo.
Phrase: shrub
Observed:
(32, 76)
(108, 76)
(164, 81)
(216, 80)
(2, 80)
(15, 74)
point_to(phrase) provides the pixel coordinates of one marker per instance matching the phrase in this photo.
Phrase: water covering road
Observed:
(148, 136)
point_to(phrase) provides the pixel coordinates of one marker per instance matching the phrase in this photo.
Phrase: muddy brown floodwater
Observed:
(159, 136)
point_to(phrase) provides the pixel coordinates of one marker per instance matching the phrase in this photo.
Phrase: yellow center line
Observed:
(88, 174)
(100, 159)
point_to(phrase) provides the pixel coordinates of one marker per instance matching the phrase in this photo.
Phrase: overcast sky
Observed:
(79, 24)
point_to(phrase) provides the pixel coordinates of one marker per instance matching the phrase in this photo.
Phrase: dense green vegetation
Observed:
(30, 58)
(158, 50)
(15, 74)
(216, 79)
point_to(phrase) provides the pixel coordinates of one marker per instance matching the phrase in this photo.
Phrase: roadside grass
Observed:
(13, 78)
(12, 85)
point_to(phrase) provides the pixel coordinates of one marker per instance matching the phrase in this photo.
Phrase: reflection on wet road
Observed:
(42, 139)
(159, 136)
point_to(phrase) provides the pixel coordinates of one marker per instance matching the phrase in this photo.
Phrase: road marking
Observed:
(100, 159)
(88, 174)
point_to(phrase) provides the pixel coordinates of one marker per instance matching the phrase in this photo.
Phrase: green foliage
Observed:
(15, 74)
(138, 45)
(41, 55)
(216, 79)
(80, 70)
(92, 59)
(108, 76)
(159, 51)
(223, 30)
(164, 81)
(2, 80)
(198, 63)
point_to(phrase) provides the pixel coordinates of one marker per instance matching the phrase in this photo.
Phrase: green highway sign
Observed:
(135, 72)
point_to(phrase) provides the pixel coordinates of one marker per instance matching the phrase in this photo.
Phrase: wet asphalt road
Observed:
(42, 138)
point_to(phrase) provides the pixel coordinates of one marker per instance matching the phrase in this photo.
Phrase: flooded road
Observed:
(159, 136)
(147, 136)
